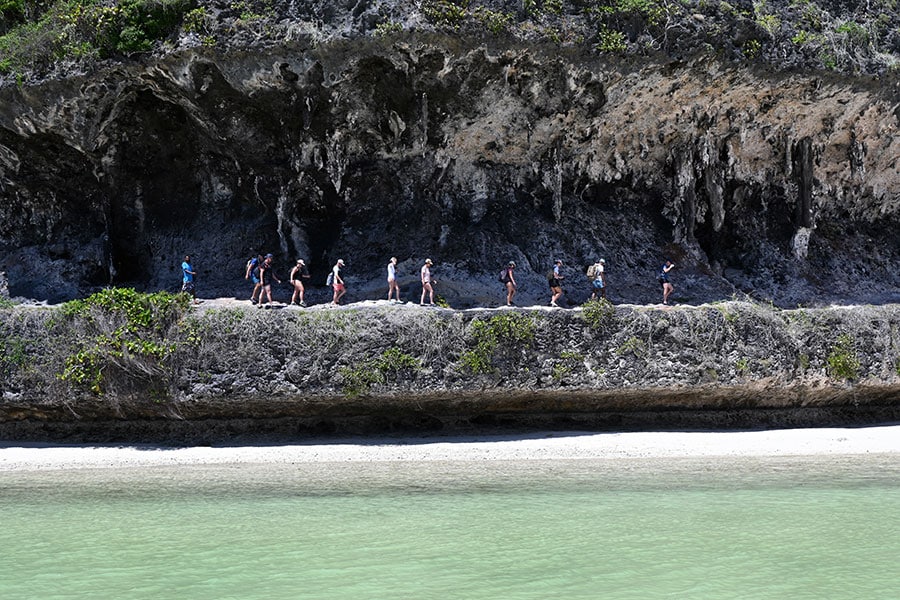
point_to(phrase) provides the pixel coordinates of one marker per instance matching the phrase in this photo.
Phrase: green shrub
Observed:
(388, 28)
(447, 13)
(389, 365)
(634, 346)
(495, 22)
(610, 40)
(77, 29)
(125, 332)
(598, 313)
(501, 334)
(842, 361)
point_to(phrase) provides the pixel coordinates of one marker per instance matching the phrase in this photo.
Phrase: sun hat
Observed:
(512, 263)
(428, 261)
(340, 261)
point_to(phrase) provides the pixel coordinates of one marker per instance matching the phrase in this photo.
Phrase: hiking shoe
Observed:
(303, 304)
(294, 304)
(253, 301)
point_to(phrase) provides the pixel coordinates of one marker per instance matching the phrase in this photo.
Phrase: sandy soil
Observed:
(881, 440)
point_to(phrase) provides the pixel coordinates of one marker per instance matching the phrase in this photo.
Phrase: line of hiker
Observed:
(261, 272)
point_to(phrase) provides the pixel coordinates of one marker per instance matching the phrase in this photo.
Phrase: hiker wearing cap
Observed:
(555, 281)
(297, 275)
(266, 275)
(597, 273)
(337, 283)
(251, 273)
(392, 278)
(426, 283)
(509, 280)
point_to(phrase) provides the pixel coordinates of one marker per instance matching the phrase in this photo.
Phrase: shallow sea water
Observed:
(795, 527)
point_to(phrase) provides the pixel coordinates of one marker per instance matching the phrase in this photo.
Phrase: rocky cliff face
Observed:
(470, 150)
(218, 372)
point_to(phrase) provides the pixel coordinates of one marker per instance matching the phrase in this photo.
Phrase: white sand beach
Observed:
(18, 456)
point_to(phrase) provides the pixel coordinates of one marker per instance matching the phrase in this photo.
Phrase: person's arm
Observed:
(511, 278)
(337, 278)
(668, 268)
(292, 273)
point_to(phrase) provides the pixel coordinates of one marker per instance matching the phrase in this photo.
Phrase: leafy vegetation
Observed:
(598, 313)
(842, 361)
(125, 329)
(77, 29)
(390, 365)
(501, 336)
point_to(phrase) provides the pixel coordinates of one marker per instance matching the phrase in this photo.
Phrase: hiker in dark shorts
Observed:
(509, 281)
(663, 278)
(297, 275)
(266, 275)
(252, 274)
(187, 279)
(555, 281)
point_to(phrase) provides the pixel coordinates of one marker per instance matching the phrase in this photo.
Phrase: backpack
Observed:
(551, 276)
(503, 277)
(330, 280)
(592, 271)
(250, 263)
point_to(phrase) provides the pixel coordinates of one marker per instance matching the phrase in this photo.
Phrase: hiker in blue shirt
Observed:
(187, 280)
(252, 274)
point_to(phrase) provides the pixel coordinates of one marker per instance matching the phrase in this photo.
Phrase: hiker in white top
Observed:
(392, 278)
(598, 279)
(426, 283)
(337, 283)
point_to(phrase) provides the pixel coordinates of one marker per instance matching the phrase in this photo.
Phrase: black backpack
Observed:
(503, 277)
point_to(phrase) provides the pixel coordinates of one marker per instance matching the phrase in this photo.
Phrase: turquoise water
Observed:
(712, 528)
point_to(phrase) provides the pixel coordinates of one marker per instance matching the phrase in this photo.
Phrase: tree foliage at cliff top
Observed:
(861, 37)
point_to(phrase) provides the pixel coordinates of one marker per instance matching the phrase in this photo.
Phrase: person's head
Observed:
(669, 262)
(300, 262)
(340, 262)
(428, 262)
(602, 261)
(512, 264)
(558, 262)
(187, 258)
(270, 256)
(394, 260)
(268, 260)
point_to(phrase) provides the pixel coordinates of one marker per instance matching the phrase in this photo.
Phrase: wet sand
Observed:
(17, 456)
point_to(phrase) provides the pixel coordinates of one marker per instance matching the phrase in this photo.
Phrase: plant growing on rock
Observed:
(598, 313)
(842, 361)
(388, 366)
(500, 337)
(123, 340)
